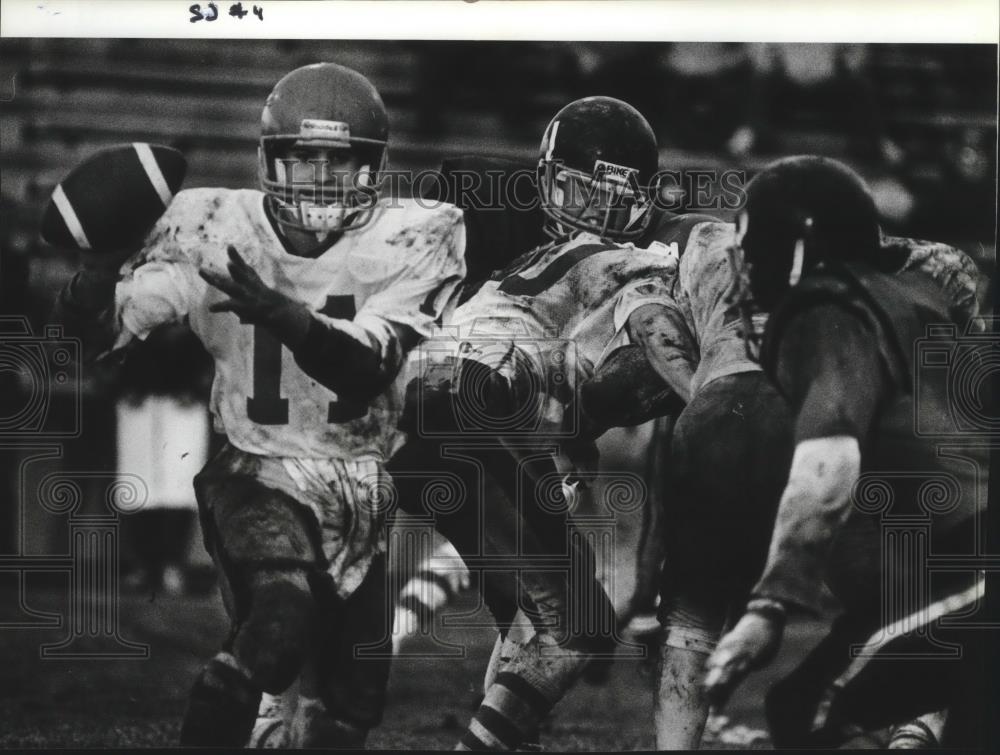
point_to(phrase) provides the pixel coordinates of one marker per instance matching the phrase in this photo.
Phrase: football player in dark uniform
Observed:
(731, 447)
(873, 496)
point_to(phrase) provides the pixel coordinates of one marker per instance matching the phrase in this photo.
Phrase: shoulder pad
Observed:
(833, 285)
(405, 236)
(670, 228)
(174, 236)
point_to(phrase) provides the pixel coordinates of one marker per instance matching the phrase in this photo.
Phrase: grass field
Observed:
(57, 703)
(47, 702)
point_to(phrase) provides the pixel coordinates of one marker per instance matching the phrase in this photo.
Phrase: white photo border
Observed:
(957, 21)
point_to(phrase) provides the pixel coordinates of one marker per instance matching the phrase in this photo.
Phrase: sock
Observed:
(269, 730)
(438, 579)
(508, 716)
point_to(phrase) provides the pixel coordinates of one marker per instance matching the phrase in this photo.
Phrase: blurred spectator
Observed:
(962, 199)
(895, 202)
(969, 154)
(827, 83)
(629, 72)
(163, 437)
(685, 90)
(701, 84)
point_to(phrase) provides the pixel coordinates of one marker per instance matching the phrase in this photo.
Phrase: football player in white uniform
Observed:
(308, 294)
(503, 391)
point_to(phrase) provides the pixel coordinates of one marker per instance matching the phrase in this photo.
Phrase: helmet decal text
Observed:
(333, 131)
(616, 173)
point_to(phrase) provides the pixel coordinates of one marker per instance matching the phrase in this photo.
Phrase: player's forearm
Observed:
(815, 504)
(667, 345)
(343, 357)
(627, 391)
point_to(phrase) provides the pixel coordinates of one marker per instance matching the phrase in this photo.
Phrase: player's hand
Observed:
(249, 297)
(257, 303)
(750, 645)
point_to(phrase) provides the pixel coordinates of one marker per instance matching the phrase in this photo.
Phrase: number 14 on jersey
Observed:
(266, 406)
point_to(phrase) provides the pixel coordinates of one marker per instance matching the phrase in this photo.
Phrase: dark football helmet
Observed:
(597, 161)
(799, 212)
(323, 109)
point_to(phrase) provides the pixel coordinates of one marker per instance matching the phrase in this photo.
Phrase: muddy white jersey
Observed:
(705, 281)
(580, 292)
(704, 285)
(401, 268)
(951, 268)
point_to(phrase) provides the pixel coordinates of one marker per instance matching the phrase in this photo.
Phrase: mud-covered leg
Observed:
(729, 459)
(266, 547)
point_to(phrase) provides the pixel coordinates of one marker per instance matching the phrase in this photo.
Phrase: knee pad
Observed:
(692, 625)
(273, 640)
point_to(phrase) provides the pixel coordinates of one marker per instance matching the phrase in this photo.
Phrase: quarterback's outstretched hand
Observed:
(256, 302)
(750, 645)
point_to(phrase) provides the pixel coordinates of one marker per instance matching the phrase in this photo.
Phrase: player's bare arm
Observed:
(667, 344)
(835, 388)
(626, 391)
(815, 504)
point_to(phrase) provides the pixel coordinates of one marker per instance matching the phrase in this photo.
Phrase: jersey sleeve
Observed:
(666, 340)
(639, 293)
(831, 371)
(160, 284)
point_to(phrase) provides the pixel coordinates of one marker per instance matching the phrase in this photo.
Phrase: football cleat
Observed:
(922, 733)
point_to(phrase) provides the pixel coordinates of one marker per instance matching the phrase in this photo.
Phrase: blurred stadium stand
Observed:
(65, 97)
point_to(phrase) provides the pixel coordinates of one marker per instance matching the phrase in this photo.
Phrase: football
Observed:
(111, 200)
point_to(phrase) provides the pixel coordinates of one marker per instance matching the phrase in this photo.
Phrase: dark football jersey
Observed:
(844, 346)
